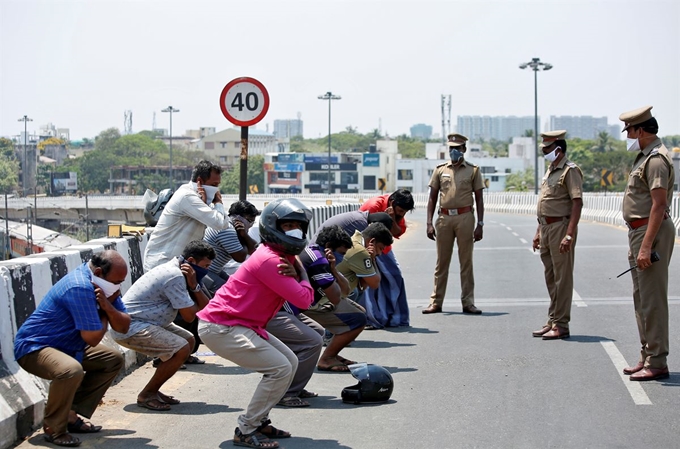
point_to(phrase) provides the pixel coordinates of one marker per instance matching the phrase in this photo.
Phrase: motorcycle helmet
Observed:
(154, 208)
(284, 209)
(375, 384)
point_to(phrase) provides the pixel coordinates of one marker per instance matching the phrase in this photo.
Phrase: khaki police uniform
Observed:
(560, 186)
(652, 169)
(455, 222)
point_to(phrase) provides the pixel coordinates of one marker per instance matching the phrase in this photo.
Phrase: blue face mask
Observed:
(456, 156)
(200, 271)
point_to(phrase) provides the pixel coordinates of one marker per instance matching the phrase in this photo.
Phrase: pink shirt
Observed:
(256, 292)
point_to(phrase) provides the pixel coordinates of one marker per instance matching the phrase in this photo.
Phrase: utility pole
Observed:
(170, 109)
(330, 97)
(24, 169)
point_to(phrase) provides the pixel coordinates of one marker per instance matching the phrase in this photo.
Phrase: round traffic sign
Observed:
(244, 101)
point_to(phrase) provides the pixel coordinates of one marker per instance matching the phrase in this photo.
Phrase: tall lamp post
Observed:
(330, 97)
(535, 64)
(24, 169)
(170, 109)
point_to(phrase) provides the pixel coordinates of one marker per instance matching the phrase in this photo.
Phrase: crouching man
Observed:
(153, 302)
(60, 342)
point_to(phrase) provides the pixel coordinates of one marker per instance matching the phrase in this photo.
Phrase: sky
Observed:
(82, 64)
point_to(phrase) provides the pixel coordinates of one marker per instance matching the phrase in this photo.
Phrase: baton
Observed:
(654, 258)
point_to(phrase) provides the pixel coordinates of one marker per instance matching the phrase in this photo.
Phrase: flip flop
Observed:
(81, 426)
(168, 399)
(154, 404)
(193, 360)
(304, 394)
(345, 361)
(338, 368)
(293, 401)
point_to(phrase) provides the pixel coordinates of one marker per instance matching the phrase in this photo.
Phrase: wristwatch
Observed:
(568, 237)
(480, 223)
(197, 288)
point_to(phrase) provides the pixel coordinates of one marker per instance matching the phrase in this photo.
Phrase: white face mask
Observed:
(633, 144)
(552, 156)
(296, 233)
(109, 288)
(209, 192)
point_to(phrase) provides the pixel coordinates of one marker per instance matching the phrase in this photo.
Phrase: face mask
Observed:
(552, 156)
(245, 222)
(295, 233)
(109, 288)
(633, 144)
(209, 192)
(456, 156)
(199, 270)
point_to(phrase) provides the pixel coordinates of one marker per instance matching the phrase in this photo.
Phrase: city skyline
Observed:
(82, 70)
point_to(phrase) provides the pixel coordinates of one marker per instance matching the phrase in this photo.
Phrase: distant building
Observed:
(224, 147)
(584, 126)
(203, 131)
(287, 128)
(477, 128)
(421, 131)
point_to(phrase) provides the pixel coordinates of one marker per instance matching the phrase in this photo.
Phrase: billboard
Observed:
(291, 157)
(320, 159)
(294, 167)
(371, 160)
(64, 182)
(324, 166)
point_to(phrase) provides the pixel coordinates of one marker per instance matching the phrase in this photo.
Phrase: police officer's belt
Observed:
(551, 220)
(460, 210)
(641, 222)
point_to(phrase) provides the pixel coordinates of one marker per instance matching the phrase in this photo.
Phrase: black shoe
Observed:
(472, 310)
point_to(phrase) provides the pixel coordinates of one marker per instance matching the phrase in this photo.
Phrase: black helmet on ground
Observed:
(281, 210)
(375, 384)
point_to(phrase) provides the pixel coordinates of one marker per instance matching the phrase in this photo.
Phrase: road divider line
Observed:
(523, 241)
(578, 300)
(634, 388)
(515, 234)
(508, 228)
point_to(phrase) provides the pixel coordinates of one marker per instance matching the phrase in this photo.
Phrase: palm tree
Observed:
(603, 143)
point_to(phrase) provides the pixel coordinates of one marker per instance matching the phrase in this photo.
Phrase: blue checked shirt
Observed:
(68, 308)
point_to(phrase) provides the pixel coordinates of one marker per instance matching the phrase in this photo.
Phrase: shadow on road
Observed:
(300, 442)
(587, 339)
(185, 408)
(100, 440)
(485, 314)
(378, 344)
(410, 330)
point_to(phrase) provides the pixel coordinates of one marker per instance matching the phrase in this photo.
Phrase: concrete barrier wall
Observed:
(25, 281)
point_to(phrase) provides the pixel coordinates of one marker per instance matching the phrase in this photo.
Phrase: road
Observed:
(460, 381)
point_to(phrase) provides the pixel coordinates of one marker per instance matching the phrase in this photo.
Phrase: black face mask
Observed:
(456, 155)
(200, 271)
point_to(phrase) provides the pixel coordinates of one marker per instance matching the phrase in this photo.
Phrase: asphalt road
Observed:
(460, 381)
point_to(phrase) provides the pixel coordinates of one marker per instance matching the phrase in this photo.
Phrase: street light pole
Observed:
(170, 109)
(24, 169)
(330, 97)
(535, 64)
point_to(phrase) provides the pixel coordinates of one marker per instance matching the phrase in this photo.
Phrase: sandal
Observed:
(65, 439)
(81, 426)
(154, 404)
(273, 432)
(345, 361)
(193, 360)
(304, 394)
(293, 401)
(254, 439)
(168, 399)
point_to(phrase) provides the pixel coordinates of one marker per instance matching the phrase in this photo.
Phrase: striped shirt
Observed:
(225, 242)
(318, 269)
(68, 308)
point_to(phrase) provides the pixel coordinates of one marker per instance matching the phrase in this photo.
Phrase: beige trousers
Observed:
(271, 358)
(558, 271)
(458, 228)
(650, 294)
(73, 386)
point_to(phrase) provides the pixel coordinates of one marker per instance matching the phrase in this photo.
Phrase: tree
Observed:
(50, 141)
(7, 149)
(9, 174)
(230, 180)
(520, 181)
(603, 142)
(106, 139)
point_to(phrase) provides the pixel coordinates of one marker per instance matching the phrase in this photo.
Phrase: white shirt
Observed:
(184, 219)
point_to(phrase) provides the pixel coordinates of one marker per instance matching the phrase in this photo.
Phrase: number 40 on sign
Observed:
(244, 101)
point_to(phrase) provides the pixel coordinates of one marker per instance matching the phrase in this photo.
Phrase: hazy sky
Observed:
(81, 64)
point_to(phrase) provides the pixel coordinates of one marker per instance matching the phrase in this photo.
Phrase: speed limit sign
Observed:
(244, 101)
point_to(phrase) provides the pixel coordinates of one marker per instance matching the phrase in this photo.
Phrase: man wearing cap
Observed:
(453, 185)
(646, 208)
(559, 210)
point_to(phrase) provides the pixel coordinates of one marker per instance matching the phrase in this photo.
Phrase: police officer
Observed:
(646, 208)
(453, 184)
(559, 210)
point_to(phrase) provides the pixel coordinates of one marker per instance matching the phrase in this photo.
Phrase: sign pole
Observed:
(243, 178)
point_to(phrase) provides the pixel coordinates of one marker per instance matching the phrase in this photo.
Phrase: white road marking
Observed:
(578, 300)
(634, 388)
(515, 234)
(523, 241)
(508, 228)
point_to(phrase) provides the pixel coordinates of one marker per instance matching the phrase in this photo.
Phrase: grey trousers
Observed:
(304, 337)
(246, 348)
